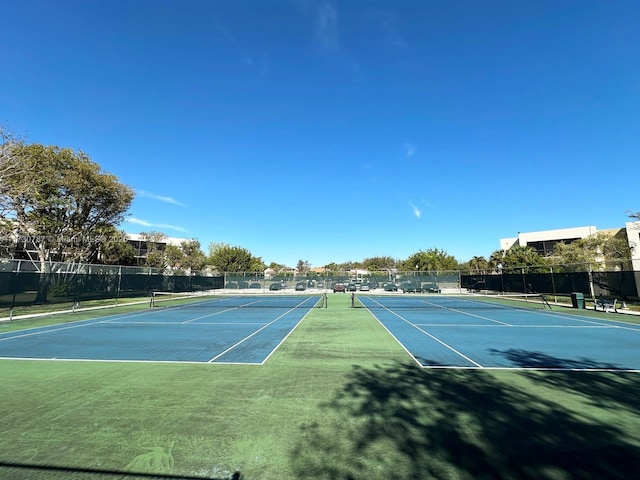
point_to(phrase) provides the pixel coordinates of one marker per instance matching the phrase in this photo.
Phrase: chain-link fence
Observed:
(618, 282)
(26, 283)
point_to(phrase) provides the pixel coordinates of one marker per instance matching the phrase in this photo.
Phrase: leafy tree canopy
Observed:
(225, 258)
(586, 252)
(432, 259)
(65, 205)
(116, 250)
(478, 264)
(520, 256)
(379, 264)
(192, 255)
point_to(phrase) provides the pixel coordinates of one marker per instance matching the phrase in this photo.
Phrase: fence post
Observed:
(119, 284)
(14, 287)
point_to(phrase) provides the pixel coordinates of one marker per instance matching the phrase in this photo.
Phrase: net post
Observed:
(545, 302)
(152, 299)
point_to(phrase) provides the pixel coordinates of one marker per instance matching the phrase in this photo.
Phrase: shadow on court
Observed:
(531, 359)
(403, 422)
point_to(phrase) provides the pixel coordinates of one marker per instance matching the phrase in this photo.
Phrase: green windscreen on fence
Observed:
(69, 283)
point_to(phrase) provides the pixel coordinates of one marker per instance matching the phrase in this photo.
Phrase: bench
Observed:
(605, 304)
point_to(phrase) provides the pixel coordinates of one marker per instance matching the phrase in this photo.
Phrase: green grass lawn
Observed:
(340, 399)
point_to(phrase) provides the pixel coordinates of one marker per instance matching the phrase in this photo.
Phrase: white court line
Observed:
(256, 332)
(423, 331)
(511, 326)
(228, 309)
(65, 326)
(595, 322)
(599, 321)
(285, 337)
(467, 313)
(592, 324)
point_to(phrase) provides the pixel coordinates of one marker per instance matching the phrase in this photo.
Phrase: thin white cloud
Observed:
(161, 198)
(324, 22)
(416, 210)
(409, 150)
(327, 25)
(144, 223)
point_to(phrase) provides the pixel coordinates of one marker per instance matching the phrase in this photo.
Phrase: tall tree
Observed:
(518, 257)
(116, 250)
(378, 264)
(432, 259)
(303, 267)
(225, 258)
(332, 268)
(573, 256)
(172, 256)
(257, 265)
(11, 164)
(477, 264)
(64, 206)
(590, 251)
(193, 256)
(155, 242)
(496, 259)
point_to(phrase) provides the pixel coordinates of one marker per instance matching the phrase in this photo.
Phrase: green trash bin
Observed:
(577, 300)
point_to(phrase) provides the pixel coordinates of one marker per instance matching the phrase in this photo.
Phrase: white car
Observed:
(364, 287)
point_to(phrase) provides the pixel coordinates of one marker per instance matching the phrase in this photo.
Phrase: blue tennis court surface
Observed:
(224, 330)
(447, 332)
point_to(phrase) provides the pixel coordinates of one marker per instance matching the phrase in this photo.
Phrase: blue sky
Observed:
(334, 131)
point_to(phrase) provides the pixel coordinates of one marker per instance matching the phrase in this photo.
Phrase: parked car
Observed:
(431, 288)
(231, 285)
(352, 287)
(390, 287)
(276, 286)
(339, 287)
(243, 284)
(411, 287)
(301, 286)
(364, 287)
(255, 285)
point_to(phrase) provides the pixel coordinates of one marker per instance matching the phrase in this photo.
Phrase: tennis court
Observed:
(240, 329)
(452, 332)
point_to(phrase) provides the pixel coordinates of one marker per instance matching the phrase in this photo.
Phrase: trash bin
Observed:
(577, 300)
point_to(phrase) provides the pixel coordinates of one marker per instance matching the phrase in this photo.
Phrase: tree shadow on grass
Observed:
(403, 422)
(613, 390)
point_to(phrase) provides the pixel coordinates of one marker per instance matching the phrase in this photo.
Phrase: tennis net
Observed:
(221, 301)
(455, 302)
